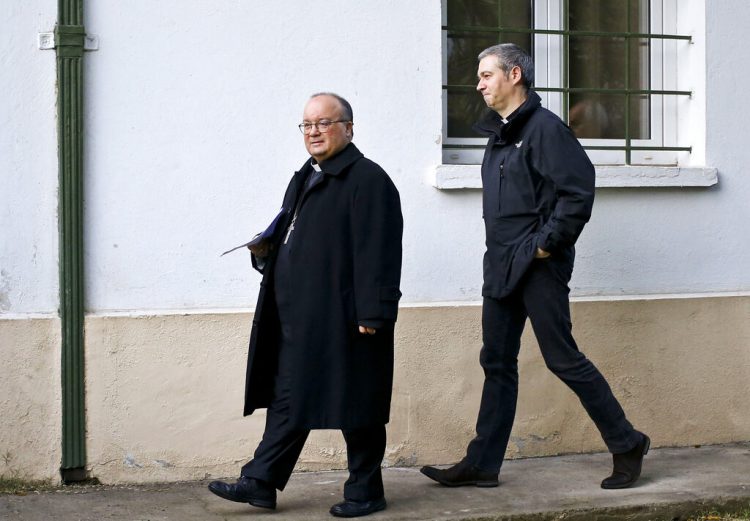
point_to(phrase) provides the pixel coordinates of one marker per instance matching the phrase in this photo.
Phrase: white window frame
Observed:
(663, 59)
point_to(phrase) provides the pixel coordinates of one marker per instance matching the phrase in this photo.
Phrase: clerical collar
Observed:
(315, 166)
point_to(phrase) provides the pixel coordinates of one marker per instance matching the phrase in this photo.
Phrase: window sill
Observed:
(462, 177)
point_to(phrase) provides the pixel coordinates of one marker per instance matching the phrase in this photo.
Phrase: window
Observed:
(608, 68)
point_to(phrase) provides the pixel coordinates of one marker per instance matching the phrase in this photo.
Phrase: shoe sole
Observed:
(263, 504)
(480, 484)
(378, 508)
(254, 502)
(630, 483)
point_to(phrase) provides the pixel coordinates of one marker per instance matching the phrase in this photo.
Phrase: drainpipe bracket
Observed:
(91, 42)
(47, 42)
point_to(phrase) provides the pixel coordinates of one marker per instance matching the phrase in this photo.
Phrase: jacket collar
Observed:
(492, 124)
(338, 163)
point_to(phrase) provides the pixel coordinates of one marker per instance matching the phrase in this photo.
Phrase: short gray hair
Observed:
(510, 55)
(346, 108)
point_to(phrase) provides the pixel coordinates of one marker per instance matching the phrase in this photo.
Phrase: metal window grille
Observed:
(506, 32)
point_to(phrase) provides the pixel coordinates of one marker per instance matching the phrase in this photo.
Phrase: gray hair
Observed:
(346, 108)
(510, 55)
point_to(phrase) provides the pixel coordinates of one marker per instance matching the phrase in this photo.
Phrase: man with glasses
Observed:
(321, 347)
(538, 192)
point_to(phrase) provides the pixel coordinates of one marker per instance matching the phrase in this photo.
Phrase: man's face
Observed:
(495, 85)
(324, 145)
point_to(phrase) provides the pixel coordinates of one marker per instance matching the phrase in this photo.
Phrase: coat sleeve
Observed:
(259, 263)
(377, 228)
(560, 158)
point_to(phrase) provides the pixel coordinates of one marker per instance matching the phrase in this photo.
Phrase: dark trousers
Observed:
(542, 296)
(281, 446)
(279, 450)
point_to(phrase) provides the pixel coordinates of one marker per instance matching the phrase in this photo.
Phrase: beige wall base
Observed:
(164, 393)
(30, 399)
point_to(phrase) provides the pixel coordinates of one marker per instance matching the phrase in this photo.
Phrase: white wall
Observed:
(28, 160)
(190, 140)
(684, 240)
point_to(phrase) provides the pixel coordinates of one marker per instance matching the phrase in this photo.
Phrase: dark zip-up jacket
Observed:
(538, 191)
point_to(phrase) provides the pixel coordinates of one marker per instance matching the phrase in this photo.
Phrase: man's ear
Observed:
(516, 75)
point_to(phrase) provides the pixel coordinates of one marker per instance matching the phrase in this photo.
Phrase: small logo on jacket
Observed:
(518, 145)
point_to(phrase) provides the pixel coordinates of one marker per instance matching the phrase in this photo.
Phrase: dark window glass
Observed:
(609, 62)
(472, 28)
(602, 62)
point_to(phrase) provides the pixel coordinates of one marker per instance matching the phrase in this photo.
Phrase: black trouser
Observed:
(282, 443)
(280, 448)
(542, 296)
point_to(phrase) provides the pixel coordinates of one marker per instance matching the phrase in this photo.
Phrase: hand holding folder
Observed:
(260, 245)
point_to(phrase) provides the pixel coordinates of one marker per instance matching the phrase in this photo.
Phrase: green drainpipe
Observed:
(69, 41)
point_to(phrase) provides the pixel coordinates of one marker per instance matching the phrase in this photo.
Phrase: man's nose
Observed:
(314, 131)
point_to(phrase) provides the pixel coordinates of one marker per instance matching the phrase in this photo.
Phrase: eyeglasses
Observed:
(323, 125)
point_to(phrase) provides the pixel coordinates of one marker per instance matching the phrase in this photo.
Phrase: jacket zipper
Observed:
(500, 186)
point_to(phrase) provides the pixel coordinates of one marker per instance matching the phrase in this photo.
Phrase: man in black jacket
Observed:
(538, 191)
(321, 347)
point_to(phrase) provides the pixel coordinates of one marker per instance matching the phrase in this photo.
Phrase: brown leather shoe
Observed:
(627, 466)
(461, 474)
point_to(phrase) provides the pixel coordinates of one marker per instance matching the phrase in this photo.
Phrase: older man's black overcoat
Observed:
(345, 260)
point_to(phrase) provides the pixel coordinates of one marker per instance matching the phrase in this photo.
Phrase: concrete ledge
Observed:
(463, 177)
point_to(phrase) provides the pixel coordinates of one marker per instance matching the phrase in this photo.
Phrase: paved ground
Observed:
(676, 482)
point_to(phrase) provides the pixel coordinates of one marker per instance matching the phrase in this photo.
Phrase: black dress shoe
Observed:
(627, 466)
(461, 474)
(349, 508)
(246, 490)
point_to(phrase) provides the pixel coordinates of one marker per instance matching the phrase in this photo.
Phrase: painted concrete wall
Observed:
(30, 398)
(28, 160)
(164, 393)
(192, 140)
(29, 332)
(192, 137)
